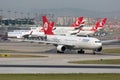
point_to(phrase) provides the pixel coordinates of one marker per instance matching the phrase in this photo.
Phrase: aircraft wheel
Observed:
(81, 52)
(94, 52)
(60, 52)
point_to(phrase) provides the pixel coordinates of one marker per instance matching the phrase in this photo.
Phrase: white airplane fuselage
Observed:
(17, 33)
(70, 30)
(81, 32)
(76, 42)
(62, 30)
(86, 28)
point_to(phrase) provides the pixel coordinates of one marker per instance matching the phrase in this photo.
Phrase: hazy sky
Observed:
(94, 5)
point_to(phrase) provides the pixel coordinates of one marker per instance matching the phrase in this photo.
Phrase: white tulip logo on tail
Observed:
(77, 23)
(46, 26)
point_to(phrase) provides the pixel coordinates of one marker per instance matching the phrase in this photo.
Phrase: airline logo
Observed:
(94, 28)
(77, 23)
(45, 26)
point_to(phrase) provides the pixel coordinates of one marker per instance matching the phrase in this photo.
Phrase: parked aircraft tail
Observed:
(47, 26)
(77, 22)
(102, 23)
(94, 28)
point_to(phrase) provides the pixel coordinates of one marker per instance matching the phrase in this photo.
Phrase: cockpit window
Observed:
(97, 41)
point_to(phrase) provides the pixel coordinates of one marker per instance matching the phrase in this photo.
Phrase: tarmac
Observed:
(54, 62)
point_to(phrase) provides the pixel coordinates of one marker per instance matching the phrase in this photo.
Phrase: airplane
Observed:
(101, 25)
(80, 32)
(68, 42)
(63, 43)
(17, 33)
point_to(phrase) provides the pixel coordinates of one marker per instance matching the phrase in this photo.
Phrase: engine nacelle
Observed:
(61, 48)
(99, 49)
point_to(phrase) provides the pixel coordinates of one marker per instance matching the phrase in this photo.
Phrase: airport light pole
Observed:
(28, 14)
(1, 12)
(9, 17)
(15, 14)
(21, 17)
(15, 17)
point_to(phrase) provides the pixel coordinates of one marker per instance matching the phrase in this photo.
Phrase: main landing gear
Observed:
(81, 51)
(94, 52)
(60, 51)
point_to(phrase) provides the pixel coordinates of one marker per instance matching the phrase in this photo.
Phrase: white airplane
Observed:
(80, 32)
(20, 33)
(17, 33)
(70, 42)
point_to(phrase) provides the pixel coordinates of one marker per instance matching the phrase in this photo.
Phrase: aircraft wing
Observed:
(49, 42)
(40, 41)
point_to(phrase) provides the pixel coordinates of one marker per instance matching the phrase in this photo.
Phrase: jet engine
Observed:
(61, 48)
(99, 49)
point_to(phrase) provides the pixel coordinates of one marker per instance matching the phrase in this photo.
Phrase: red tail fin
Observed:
(94, 28)
(52, 24)
(47, 27)
(77, 22)
(44, 19)
(103, 22)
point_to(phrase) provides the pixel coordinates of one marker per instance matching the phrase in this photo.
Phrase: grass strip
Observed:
(60, 76)
(101, 61)
(116, 50)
